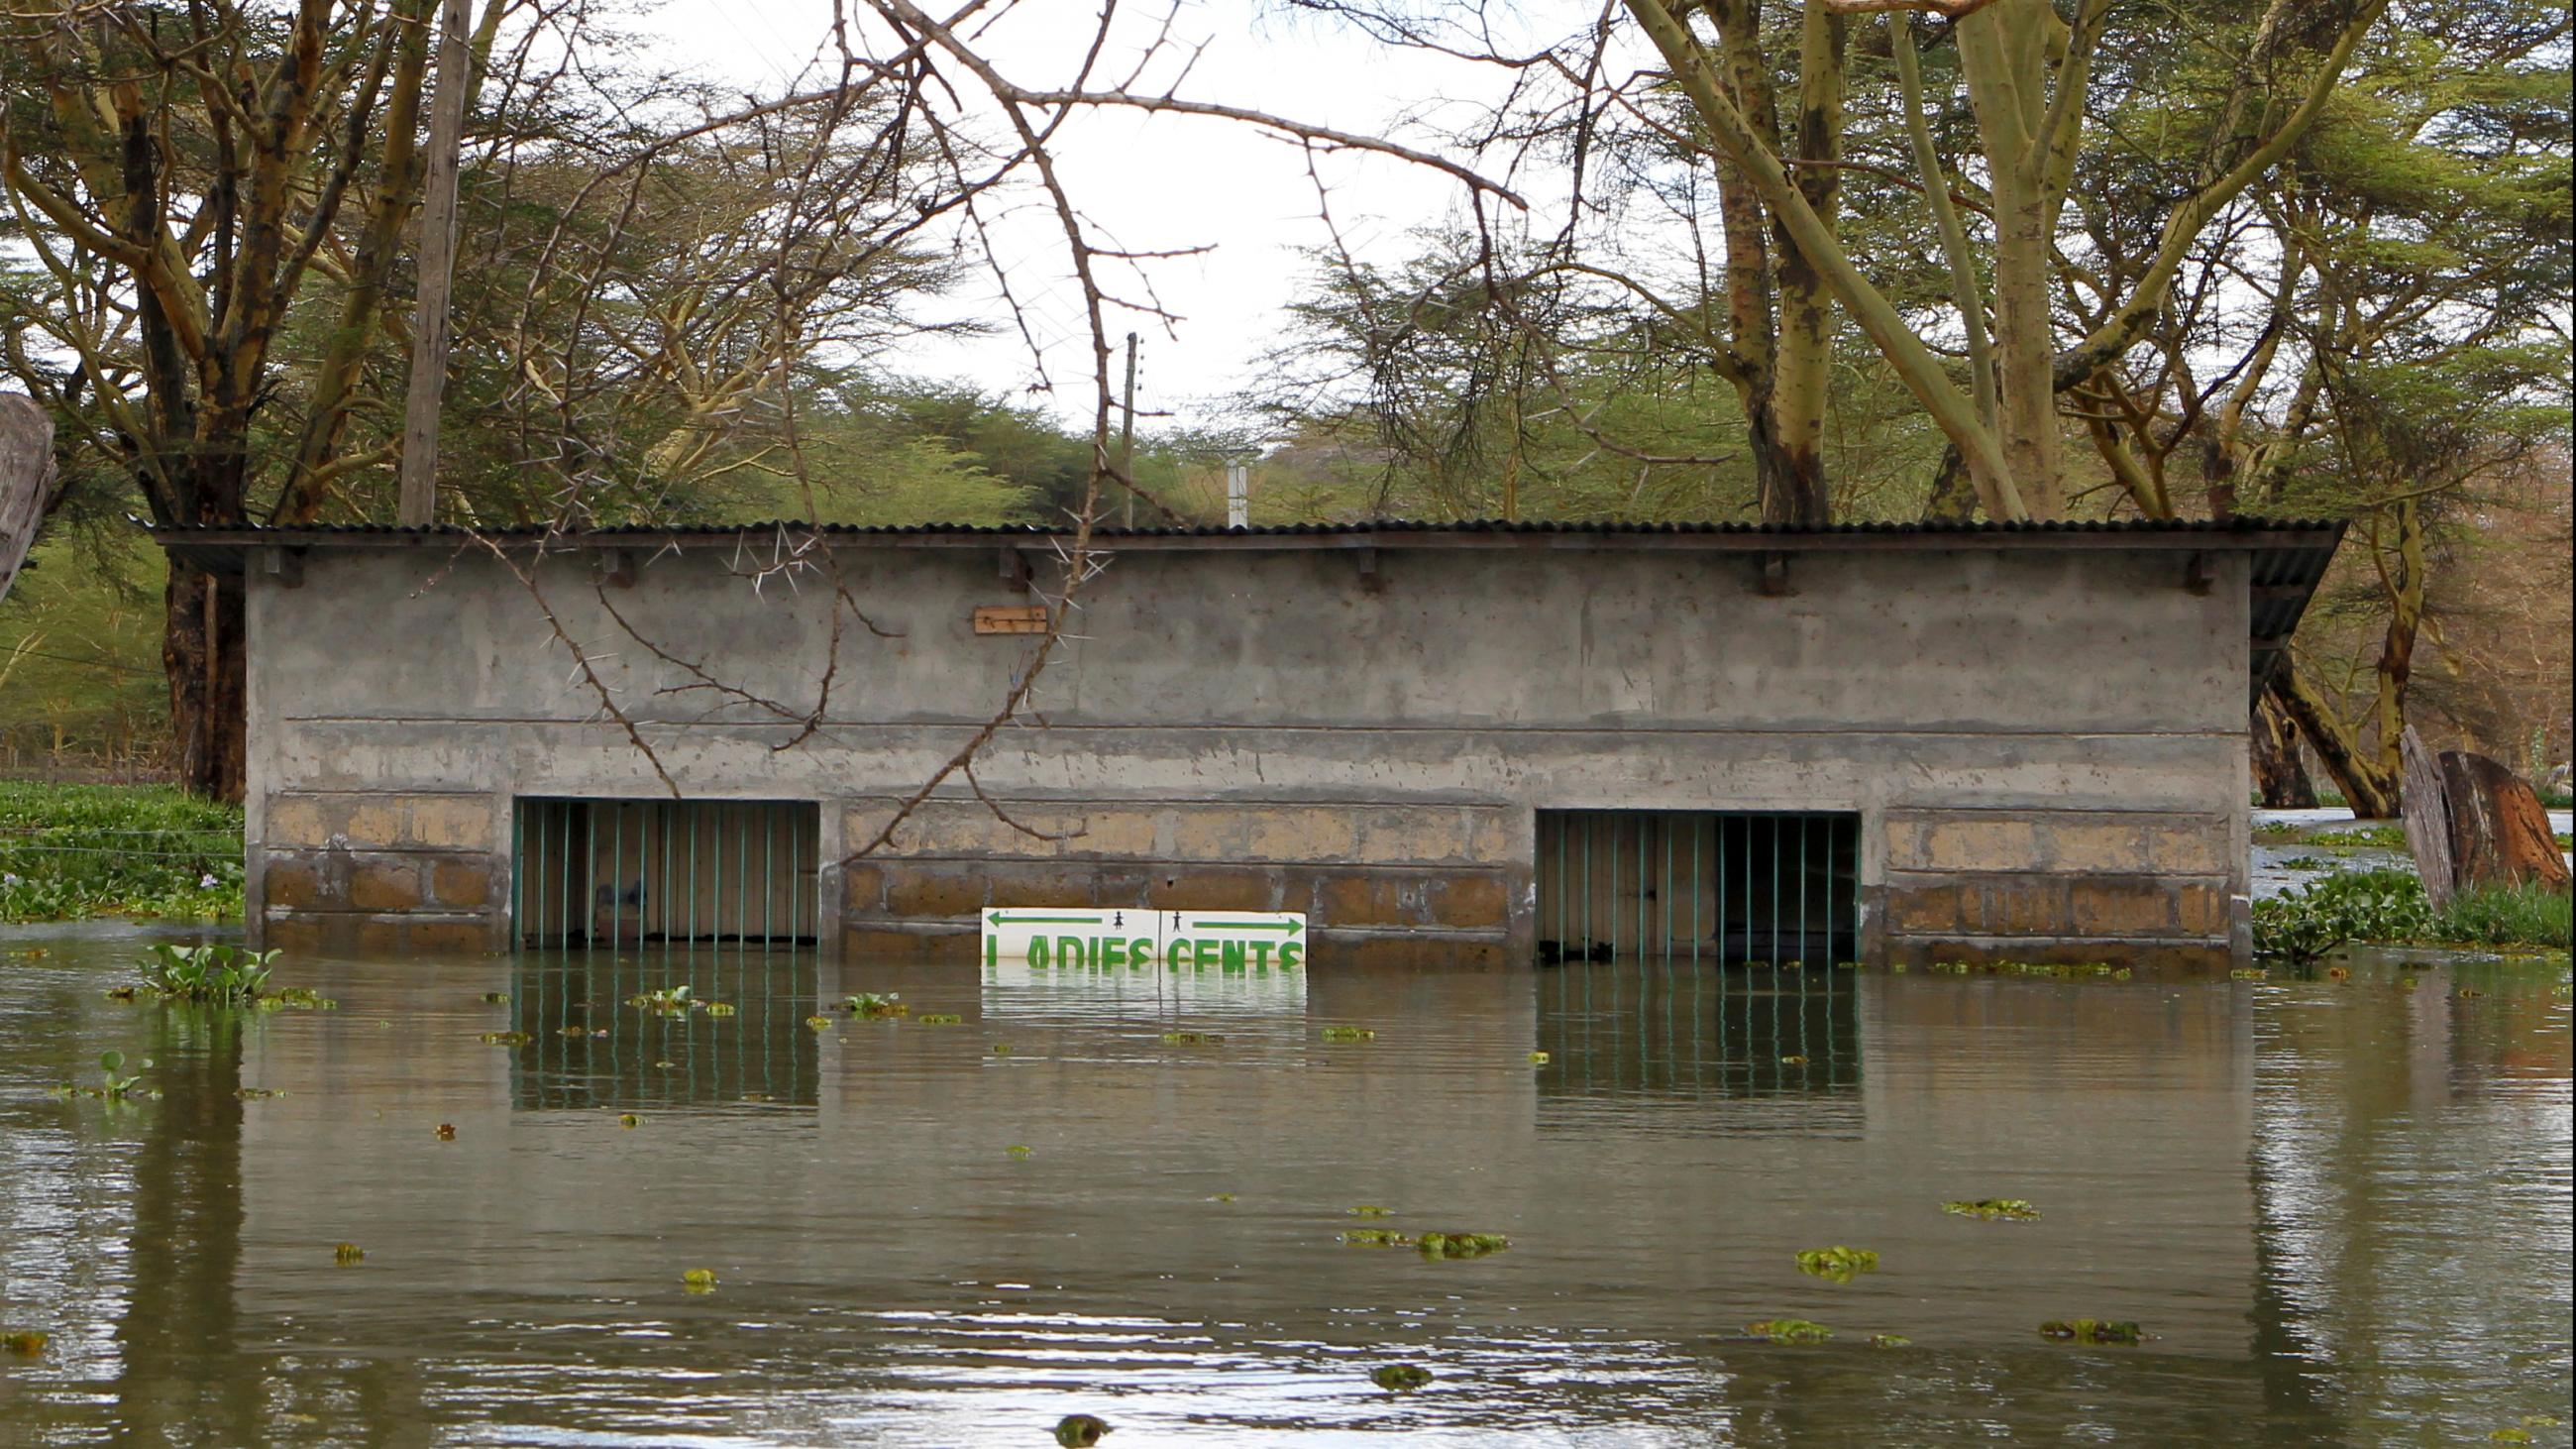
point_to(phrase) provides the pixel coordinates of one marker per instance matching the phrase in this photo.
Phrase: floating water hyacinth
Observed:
(1400, 1378)
(1375, 1238)
(940, 1018)
(1348, 1033)
(1840, 1264)
(1540, 1059)
(1221, 1197)
(1789, 1330)
(1994, 1209)
(1079, 1431)
(25, 1343)
(1890, 1340)
(1019, 1149)
(872, 1004)
(629, 1119)
(720, 1008)
(572, 1031)
(446, 1132)
(2092, 1330)
(1001, 1048)
(348, 1255)
(1460, 1245)
(506, 1038)
(1793, 1061)
(497, 998)
(669, 1000)
(699, 1280)
(1194, 1038)
(1371, 1210)
(819, 1023)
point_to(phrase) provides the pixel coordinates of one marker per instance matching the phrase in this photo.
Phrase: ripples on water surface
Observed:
(2342, 1208)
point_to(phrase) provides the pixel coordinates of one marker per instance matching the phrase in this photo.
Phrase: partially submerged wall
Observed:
(2046, 749)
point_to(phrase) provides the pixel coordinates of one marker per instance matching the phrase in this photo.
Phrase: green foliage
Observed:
(1838, 1264)
(873, 1005)
(80, 651)
(1789, 1330)
(2523, 915)
(70, 852)
(2305, 922)
(213, 975)
(1993, 1209)
(1400, 1377)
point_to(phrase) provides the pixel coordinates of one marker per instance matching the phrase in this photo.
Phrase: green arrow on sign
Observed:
(1291, 927)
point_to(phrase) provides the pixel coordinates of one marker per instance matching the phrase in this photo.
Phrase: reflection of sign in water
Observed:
(1073, 939)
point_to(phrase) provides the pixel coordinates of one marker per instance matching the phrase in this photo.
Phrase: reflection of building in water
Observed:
(1785, 1043)
(588, 1047)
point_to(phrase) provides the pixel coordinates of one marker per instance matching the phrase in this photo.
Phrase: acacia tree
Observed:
(216, 205)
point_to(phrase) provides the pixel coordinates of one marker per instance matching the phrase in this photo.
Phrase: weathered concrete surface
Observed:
(2042, 747)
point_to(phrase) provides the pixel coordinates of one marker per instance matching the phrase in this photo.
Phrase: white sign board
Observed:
(1083, 939)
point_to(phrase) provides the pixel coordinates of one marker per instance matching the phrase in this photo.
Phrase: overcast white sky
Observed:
(1154, 183)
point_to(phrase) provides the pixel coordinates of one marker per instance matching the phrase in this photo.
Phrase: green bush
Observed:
(73, 851)
(2389, 907)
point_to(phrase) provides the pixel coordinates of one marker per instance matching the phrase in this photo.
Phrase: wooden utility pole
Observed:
(1127, 434)
(418, 506)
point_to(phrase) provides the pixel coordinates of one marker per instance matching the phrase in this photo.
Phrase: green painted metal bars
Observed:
(619, 873)
(1750, 886)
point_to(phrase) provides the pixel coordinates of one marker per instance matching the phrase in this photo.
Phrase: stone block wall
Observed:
(1378, 883)
(2057, 885)
(364, 873)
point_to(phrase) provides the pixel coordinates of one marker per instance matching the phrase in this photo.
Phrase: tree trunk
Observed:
(202, 653)
(2280, 775)
(2369, 780)
(2499, 832)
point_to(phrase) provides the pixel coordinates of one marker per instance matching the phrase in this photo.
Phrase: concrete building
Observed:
(1487, 742)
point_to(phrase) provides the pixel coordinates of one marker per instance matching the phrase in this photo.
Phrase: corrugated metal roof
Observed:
(1389, 527)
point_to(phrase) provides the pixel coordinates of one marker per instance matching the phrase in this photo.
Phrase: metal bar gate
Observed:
(623, 872)
(1702, 886)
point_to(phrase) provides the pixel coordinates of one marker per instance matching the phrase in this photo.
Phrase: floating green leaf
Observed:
(1001, 1048)
(629, 1119)
(1348, 1033)
(1789, 1330)
(1194, 1038)
(1371, 1210)
(348, 1255)
(1400, 1378)
(506, 1038)
(1461, 1245)
(720, 1008)
(2091, 1330)
(939, 1018)
(1837, 1263)
(819, 1023)
(870, 1004)
(1993, 1209)
(1019, 1149)
(1079, 1431)
(1221, 1197)
(699, 1280)
(1539, 1059)
(1890, 1340)
(497, 998)
(668, 1000)
(25, 1343)
(1376, 1238)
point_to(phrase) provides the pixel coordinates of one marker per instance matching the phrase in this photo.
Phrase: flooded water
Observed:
(2341, 1208)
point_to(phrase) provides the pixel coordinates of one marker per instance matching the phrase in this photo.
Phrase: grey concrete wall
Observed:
(2043, 747)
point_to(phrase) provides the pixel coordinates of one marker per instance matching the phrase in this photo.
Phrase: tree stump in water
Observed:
(2499, 832)
(2424, 808)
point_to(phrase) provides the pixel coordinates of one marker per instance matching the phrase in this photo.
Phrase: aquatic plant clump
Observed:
(1400, 1378)
(25, 1343)
(1789, 1330)
(72, 852)
(2091, 1330)
(1429, 1245)
(1994, 1209)
(1348, 1033)
(875, 1007)
(213, 975)
(1080, 1431)
(1838, 1264)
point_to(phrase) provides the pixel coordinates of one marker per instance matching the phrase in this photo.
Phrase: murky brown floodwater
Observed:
(2342, 1208)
